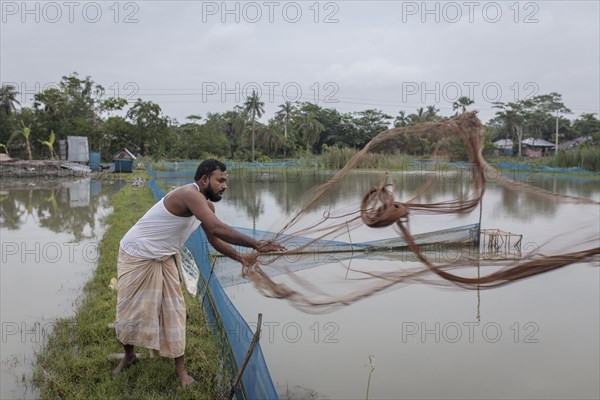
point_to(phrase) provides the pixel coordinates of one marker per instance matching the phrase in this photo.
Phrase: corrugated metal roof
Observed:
(537, 142)
(504, 144)
(124, 155)
(575, 142)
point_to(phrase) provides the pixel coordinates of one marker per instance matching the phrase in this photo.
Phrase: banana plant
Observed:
(52, 200)
(3, 146)
(50, 144)
(26, 132)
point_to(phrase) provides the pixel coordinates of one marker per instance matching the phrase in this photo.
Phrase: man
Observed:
(150, 306)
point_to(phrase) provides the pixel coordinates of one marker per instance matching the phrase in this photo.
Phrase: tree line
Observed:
(78, 107)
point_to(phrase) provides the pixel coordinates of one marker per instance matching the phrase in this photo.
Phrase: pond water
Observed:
(537, 338)
(49, 234)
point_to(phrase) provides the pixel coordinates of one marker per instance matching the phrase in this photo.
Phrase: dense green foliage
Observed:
(586, 157)
(79, 107)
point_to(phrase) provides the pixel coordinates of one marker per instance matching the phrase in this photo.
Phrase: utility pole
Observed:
(556, 139)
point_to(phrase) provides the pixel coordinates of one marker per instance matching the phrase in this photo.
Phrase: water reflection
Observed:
(247, 192)
(62, 208)
(49, 234)
(540, 334)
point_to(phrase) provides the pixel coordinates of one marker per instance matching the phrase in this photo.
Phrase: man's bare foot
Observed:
(185, 378)
(125, 362)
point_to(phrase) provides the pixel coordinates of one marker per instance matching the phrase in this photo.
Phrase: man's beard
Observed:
(212, 196)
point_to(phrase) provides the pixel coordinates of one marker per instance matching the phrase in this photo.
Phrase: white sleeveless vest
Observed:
(158, 233)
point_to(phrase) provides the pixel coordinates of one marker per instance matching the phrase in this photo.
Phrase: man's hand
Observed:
(264, 246)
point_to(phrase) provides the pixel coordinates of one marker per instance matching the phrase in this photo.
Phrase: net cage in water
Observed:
(497, 244)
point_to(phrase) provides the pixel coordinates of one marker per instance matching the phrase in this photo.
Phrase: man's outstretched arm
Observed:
(222, 247)
(221, 232)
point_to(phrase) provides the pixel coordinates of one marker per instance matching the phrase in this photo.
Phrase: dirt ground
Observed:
(40, 169)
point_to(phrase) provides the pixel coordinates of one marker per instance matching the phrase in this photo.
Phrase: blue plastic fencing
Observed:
(186, 169)
(443, 166)
(542, 168)
(225, 318)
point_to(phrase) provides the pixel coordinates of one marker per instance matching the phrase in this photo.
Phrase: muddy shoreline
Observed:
(15, 174)
(40, 169)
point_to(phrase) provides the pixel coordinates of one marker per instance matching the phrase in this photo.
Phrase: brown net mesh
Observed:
(379, 209)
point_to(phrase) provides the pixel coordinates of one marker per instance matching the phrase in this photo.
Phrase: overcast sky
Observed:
(195, 57)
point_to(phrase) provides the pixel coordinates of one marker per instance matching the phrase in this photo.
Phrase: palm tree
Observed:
(235, 123)
(270, 138)
(309, 128)
(26, 132)
(402, 119)
(195, 118)
(8, 99)
(256, 107)
(418, 117)
(50, 144)
(431, 113)
(285, 114)
(462, 103)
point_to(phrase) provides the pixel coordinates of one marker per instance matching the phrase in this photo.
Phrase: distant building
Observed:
(575, 142)
(503, 147)
(537, 147)
(75, 149)
(124, 161)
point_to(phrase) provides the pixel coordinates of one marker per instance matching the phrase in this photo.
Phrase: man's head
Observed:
(211, 178)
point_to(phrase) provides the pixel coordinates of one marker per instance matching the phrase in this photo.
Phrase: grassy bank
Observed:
(336, 158)
(586, 157)
(74, 363)
(536, 165)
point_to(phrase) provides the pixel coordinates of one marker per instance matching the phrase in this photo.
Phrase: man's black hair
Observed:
(207, 167)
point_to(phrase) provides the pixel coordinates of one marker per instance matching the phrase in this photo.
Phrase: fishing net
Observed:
(379, 208)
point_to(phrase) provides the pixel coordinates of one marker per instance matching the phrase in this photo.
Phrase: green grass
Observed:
(74, 363)
(586, 157)
(336, 158)
(531, 164)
